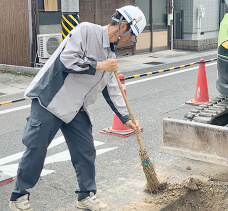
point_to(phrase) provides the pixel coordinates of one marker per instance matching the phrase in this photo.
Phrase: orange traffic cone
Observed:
(201, 93)
(118, 128)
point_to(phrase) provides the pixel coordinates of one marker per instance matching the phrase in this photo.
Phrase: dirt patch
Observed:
(191, 195)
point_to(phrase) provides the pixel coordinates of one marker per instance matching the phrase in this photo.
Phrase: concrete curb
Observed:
(19, 69)
(128, 63)
(195, 140)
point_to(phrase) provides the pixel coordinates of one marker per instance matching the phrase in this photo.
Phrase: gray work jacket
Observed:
(69, 79)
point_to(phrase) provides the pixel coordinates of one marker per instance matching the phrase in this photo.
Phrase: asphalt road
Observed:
(119, 175)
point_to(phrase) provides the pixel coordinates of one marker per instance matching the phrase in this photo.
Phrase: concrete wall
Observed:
(50, 29)
(143, 41)
(208, 36)
(196, 45)
(210, 23)
(160, 39)
(195, 140)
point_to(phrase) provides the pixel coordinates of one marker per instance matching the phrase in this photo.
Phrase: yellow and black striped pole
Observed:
(13, 101)
(68, 22)
(70, 16)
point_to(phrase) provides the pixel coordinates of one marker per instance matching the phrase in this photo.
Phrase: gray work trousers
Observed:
(40, 130)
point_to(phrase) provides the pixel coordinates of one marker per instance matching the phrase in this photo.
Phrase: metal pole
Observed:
(198, 24)
(70, 16)
(171, 30)
(37, 18)
(151, 24)
(30, 32)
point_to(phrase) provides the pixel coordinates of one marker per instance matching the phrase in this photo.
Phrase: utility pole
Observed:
(70, 16)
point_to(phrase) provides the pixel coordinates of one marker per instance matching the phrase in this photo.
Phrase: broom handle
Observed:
(128, 108)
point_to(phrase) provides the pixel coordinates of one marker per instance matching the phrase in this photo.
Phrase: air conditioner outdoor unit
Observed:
(47, 44)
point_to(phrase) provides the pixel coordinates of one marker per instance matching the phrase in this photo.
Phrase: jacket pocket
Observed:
(31, 133)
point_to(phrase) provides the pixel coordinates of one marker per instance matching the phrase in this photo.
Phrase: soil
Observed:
(191, 195)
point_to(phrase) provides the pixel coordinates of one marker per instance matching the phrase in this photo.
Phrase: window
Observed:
(145, 5)
(50, 5)
(159, 14)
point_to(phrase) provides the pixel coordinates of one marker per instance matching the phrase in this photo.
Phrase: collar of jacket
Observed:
(106, 43)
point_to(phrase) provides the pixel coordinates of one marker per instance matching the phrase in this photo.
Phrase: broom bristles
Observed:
(152, 184)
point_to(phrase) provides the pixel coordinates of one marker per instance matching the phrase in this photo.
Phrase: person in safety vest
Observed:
(80, 69)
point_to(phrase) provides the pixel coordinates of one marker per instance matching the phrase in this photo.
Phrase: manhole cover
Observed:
(154, 63)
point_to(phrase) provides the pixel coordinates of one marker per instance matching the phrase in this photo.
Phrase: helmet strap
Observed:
(120, 35)
(116, 43)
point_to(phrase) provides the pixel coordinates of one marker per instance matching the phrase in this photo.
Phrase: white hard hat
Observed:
(135, 17)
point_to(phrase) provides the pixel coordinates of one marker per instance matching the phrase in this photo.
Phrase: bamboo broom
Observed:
(152, 184)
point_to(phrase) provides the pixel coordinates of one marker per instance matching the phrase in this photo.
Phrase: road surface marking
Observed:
(15, 109)
(127, 83)
(11, 169)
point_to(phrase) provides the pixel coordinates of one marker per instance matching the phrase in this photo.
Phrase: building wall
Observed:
(14, 33)
(101, 11)
(94, 11)
(144, 39)
(187, 7)
(160, 28)
(155, 34)
(160, 39)
(210, 23)
(143, 42)
(49, 22)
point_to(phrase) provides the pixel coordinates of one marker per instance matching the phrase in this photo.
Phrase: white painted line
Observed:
(101, 151)
(65, 156)
(98, 143)
(14, 109)
(46, 172)
(11, 158)
(58, 157)
(54, 143)
(11, 169)
(165, 75)
(18, 155)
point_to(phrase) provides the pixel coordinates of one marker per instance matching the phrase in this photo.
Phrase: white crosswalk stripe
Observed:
(11, 169)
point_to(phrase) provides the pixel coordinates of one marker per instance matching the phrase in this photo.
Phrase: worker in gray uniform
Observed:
(61, 92)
